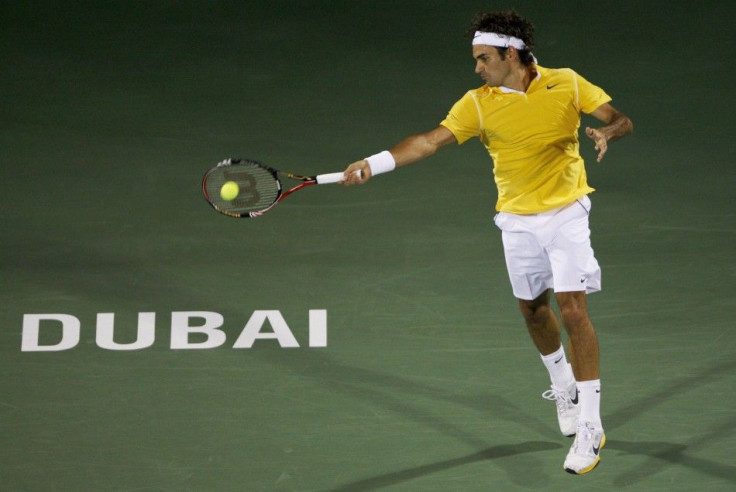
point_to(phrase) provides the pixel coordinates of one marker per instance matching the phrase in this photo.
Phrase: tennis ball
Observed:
(229, 191)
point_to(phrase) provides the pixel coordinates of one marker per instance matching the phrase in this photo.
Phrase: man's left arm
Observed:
(617, 125)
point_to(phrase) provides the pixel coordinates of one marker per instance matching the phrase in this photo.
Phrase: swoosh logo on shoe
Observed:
(575, 400)
(601, 442)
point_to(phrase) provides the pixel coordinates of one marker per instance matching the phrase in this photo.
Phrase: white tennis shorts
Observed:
(550, 250)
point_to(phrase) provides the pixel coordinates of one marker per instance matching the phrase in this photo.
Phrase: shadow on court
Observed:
(676, 388)
(659, 455)
(379, 388)
(495, 452)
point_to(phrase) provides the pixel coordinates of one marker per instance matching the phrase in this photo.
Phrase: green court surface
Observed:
(111, 113)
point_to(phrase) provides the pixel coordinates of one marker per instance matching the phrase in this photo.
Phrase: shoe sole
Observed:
(591, 467)
(584, 470)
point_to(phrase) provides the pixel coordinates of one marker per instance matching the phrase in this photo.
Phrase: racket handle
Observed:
(332, 177)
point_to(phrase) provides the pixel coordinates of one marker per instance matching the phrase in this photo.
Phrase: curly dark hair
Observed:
(506, 22)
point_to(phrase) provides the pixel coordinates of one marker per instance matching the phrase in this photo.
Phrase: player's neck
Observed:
(520, 77)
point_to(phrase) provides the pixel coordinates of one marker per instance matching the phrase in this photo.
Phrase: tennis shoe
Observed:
(568, 410)
(584, 454)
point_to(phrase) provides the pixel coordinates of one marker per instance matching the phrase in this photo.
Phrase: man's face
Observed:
(489, 65)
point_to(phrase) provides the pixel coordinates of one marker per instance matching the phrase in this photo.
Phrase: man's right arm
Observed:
(409, 150)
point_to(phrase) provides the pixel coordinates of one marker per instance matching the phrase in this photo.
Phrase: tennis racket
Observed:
(258, 189)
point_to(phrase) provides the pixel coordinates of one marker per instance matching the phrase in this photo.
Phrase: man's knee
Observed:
(573, 309)
(536, 310)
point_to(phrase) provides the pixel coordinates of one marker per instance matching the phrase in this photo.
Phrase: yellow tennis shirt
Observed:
(532, 137)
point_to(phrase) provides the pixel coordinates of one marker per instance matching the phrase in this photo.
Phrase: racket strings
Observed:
(258, 188)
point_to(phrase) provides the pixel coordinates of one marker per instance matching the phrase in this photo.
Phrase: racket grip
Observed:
(332, 177)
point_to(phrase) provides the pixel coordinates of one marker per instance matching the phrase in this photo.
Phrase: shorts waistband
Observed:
(583, 201)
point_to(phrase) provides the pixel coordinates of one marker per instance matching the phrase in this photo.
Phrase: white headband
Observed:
(499, 40)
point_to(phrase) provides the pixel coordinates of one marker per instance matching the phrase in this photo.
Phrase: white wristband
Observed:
(382, 162)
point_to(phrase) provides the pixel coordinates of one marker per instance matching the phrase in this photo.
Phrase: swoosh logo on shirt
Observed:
(551, 86)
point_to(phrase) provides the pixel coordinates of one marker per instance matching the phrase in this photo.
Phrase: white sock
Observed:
(560, 372)
(589, 396)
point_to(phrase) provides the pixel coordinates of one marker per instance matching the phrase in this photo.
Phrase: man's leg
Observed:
(584, 355)
(583, 342)
(544, 330)
(542, 323)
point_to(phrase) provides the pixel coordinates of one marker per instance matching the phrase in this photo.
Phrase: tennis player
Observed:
(528, 118)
